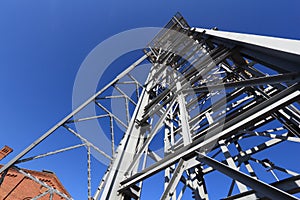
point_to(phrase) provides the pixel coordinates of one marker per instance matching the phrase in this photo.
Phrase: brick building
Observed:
(5, 151)
(18, 184)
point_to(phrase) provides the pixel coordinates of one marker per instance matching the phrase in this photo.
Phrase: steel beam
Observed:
(290, 185)
(171, 188)
(278, 53)
(251, 116)
(204, 63)
(281, 78)
(74, 112)
(259, 186)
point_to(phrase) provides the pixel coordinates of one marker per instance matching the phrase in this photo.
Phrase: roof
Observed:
(14, 178)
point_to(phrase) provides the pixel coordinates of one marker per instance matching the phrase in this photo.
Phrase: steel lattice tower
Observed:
(217, 101)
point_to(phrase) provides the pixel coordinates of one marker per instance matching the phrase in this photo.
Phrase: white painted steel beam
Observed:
(262, 109)
(280, 54)
(274, 43)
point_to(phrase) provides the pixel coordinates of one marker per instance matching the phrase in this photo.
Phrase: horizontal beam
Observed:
(290, 77)
(279, 44)
(251, 116)
(278, 53)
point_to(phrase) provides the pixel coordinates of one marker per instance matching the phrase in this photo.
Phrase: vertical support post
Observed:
(186, 135)
(89, 171)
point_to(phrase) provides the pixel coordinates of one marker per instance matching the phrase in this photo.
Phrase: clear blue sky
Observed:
(43, 43)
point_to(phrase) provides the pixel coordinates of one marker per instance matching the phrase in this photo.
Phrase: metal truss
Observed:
(50, 190)
(213, 102)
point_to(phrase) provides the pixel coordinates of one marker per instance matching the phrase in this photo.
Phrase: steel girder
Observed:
(213, 101)
(254, 99)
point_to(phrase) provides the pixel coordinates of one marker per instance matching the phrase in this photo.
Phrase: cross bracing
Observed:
(213, 102)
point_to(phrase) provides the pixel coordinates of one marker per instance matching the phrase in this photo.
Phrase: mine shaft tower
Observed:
(218, 102)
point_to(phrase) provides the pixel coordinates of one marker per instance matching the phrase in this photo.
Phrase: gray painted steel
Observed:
(208, 93)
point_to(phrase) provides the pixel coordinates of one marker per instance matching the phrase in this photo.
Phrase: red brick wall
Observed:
(18, 187)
